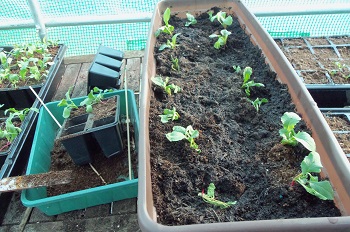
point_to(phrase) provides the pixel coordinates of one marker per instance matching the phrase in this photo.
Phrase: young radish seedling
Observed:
(167, 28)
(209, 197)
(170, 44)
(289, 121)
(169, 115)
(164, 85)
(257, 103)
(320, 189)
(247, 83)
(191, 20)
(222, 39)
(180, 133)
(221, 17)
(175, 64)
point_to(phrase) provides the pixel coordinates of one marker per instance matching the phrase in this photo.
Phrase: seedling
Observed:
(21, 114)
(67, 103)
(247, 83)
(222, 39)
(341, 70)
(237, 68)
(169, 115)
(180, 133)
(320, 189)
(10, 131)
(221, 17)
(170, 44)
(164, 85)
(209, 197)
(92, 98)
(289, 121)
(191, 20)
(175, 64)
(258, 102)
(167, 28)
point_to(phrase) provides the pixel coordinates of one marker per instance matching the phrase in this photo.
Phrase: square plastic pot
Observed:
(40, 159)
(17, 154)
(80, 135)
(104, 71)
(336, 166)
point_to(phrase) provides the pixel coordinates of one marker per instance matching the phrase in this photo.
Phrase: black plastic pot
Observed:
(345, 115)
(13, 159)
(80, 135)
(104, 71)
(330, 96)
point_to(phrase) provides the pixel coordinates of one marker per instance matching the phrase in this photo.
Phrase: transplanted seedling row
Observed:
(311, 163)
(32, 62)
(10, 128)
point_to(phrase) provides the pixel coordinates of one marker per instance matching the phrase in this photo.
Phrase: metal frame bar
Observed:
(34, 7)
(40, 23)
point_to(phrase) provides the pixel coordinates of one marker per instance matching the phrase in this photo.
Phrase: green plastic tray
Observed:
(40, 159)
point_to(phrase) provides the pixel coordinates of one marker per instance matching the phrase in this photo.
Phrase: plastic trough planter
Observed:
(81, 133)
(336, 167)
(105, 69)
(24, 98)
(39, 162)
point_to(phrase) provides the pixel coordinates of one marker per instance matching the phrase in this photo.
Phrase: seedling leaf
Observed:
(322, 190)
(306, 140)
(311, 163)
(175, 136)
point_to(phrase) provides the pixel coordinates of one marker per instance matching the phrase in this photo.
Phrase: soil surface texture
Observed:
(240, 148)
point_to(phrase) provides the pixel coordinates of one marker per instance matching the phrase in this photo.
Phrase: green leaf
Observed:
(163, 46)
(217, 44)
(191, 19)
(194, 134)
(63, 102)
(228, 21)
(225, 32)
(180, 129)
(211, 190)
(322, 190)
(289, 120)
(311, 163)
(247, 72)
(175, 136)
(66, 112)
(166, 16)
(89, 109)
(164, 118)
(305, 139)
(158, 81)
(213, 36)
(173, 39)
(157, 33)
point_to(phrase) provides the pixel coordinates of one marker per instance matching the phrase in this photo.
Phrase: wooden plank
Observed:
(79, 59)
(133, 54)
(69, 77)
(80, 88)
(133, 74)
